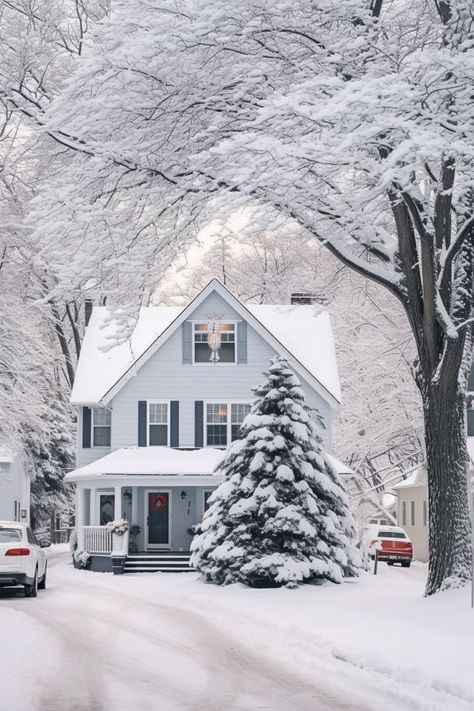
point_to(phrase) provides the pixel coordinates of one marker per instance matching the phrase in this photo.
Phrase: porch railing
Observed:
(97, 539)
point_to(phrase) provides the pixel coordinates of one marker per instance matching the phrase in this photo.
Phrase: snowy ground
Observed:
(95, 642)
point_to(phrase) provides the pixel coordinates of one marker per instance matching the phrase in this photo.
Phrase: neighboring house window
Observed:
(158, 424)
(106, 508)
(226, 350)
(101, 426)
(470, 422)
(223, 421)
(425, 513)
(412, 513)
(404, 513)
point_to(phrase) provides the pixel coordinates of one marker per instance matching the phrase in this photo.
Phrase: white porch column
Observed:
(118, 502)
(80, 517)
(93, 506)
(134, 505)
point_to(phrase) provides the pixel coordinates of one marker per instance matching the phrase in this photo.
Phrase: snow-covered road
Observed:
(94, 650)
(95, 642)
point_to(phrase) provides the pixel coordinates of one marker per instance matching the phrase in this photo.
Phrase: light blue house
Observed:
(157, 412)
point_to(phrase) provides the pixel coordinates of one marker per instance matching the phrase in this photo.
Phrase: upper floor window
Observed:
(223, 421)
(214, 342)
(158, 424)
(101, 426)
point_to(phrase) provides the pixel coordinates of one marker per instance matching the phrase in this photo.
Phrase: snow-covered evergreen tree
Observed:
(281, 516)
(50, 453)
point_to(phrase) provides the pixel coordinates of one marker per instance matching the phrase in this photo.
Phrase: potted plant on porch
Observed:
(120, 530)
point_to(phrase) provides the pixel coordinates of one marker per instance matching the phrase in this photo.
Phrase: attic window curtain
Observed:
(187, 342)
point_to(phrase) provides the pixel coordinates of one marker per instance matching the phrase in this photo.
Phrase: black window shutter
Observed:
(187, 337)
(199, 423)
(174, 423)
(86, 427)
(242, 342)
(142, 439)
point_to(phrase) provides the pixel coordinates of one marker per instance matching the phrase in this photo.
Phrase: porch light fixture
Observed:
(183, 495)
(127, 494)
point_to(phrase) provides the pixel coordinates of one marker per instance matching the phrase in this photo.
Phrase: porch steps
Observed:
(166, 562)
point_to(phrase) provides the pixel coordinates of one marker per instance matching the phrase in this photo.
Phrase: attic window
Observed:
(214, 342)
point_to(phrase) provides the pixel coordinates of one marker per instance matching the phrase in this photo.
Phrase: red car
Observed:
(392, 543)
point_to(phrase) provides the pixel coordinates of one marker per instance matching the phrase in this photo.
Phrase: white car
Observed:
(22, 559)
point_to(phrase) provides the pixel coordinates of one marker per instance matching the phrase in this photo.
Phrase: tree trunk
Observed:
(449, 522)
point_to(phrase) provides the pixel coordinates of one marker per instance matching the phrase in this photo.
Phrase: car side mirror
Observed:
(45, 544)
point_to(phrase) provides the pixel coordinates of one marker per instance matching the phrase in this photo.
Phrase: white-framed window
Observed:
(223, 421)
(158, 427)
(227, 350)
(101, 426)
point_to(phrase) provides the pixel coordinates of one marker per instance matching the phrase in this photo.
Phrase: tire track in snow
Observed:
(282, 689)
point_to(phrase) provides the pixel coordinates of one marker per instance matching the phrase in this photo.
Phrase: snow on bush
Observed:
(119, 526)
(82, 558)
(281, 516)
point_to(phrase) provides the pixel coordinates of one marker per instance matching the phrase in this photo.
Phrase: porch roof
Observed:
(151, 461)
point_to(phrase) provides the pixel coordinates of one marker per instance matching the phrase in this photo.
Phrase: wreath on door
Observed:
(158, 502)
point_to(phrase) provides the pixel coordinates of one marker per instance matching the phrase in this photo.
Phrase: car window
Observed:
(31, 537)
(10, 534)
(391, 534)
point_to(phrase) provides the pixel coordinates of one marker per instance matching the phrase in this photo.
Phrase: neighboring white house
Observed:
(14, 487)
(412, 493)
(155, 414)
(412, 511)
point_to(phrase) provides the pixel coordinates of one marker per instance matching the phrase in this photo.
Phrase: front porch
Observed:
(161, 492)
(161, 518)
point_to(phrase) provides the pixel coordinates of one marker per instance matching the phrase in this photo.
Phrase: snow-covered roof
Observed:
(151, 461)
(341, 468)
(418, 478)
(304, 331)
(307, 333)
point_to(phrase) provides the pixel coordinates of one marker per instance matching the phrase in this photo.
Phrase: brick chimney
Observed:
(306, 298)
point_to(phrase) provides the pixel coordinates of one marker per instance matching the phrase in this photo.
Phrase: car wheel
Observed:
(42, 583)
(406, 563)
(32, 590)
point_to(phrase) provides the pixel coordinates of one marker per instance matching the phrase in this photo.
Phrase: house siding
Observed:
(165, 377)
